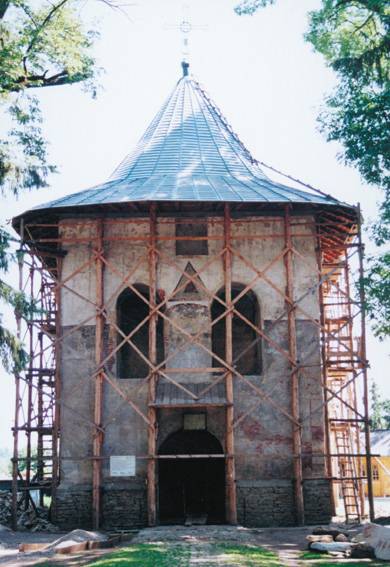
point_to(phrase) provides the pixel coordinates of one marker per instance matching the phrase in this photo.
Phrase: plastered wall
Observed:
(263, 439)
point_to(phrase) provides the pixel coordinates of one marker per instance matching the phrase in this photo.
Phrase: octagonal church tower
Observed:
(189, 373)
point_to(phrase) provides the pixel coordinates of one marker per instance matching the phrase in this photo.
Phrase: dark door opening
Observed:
(191, 488)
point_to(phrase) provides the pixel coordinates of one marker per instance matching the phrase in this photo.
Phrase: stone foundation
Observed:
(265, 503)
(123, 508)
(259, 504)
(318, 508)
(73, 508)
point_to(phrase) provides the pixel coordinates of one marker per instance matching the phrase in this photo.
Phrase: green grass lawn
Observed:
(172, 555)
(245, 555)
(147, 555)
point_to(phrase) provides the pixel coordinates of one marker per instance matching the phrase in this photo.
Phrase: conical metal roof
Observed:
(189, 153)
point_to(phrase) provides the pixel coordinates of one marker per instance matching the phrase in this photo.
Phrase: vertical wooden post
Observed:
(357, 463)
(99, 335)
(15, 461)
(57, 393)
(292, 345)
(324, 377)
(29, 382)
(230, 464)
(364, 370)
(152, 414)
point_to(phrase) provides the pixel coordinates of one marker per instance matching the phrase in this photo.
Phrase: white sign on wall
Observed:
(122, 465)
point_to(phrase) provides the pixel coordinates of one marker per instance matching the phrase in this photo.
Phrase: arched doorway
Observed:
(191, 489)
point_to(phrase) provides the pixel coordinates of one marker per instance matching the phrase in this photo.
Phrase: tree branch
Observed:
(44, 23)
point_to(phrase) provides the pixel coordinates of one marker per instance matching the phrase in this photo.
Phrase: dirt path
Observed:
(287, 543)
(203, 541)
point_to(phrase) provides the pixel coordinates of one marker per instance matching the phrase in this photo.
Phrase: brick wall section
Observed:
(260, 504)
(265, 504)
(74, 509)
(317, 501)
(124, 508)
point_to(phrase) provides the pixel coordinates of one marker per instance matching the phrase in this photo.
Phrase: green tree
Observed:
(380, 410)
(354, 38)
(42, 44)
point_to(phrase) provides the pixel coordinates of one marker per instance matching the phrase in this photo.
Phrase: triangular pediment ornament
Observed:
(190, 290)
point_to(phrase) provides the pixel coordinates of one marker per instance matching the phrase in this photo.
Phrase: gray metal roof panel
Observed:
(189, 153)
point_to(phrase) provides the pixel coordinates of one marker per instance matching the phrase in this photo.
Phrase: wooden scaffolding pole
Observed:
(363, 355)
(152, 412)
(57, 394)
(230, 464)
(292, 343)
(99, 378)
(324, 379)
(15, 461)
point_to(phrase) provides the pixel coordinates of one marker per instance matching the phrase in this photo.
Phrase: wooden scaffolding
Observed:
(343, 368)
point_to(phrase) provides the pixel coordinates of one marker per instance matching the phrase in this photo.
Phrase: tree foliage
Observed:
(354, 38)
(380, 410)
(42, 44)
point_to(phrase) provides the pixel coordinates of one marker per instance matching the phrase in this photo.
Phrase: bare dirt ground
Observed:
(286, 542)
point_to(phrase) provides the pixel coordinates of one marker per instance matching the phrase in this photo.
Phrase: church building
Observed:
(189, 333)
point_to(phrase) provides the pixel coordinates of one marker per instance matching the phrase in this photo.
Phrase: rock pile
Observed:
(33, 520)
(5, 507)
(338, 544)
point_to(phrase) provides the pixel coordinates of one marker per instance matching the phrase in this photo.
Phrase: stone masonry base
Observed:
(259, 504)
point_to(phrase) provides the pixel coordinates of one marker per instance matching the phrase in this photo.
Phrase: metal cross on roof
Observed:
(185, 27)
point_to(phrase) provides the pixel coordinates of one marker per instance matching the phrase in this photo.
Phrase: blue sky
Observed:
(267, 81)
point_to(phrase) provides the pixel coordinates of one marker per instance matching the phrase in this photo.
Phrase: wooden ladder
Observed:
(349, 489)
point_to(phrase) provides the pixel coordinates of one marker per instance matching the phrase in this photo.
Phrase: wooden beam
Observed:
(231, 507)
(152, 412)
(292, 347)
(15, 465)
(57, 395)
(324, 380)
(99, 378)
(365, 377)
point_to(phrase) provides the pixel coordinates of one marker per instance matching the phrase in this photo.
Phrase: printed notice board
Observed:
(122, 465)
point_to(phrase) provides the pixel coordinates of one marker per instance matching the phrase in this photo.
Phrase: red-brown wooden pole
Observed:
(29, 381)
(98, 437)
(363, 354)
(152, 412)
(324, 376)
(292, 344)
(15, 460)
(57, 392)
(231, 497)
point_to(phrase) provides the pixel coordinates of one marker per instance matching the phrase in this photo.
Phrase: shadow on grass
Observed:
(245, 555)
(145, 555)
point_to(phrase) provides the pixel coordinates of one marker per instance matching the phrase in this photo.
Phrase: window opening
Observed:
(131, 311)
(246, 352)
(193, 230)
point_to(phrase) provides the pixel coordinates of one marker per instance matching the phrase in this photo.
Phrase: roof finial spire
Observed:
(185, 65)
(185, 27)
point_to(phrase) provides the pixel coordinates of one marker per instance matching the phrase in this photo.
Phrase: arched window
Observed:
(131, 311)
(246, 350)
